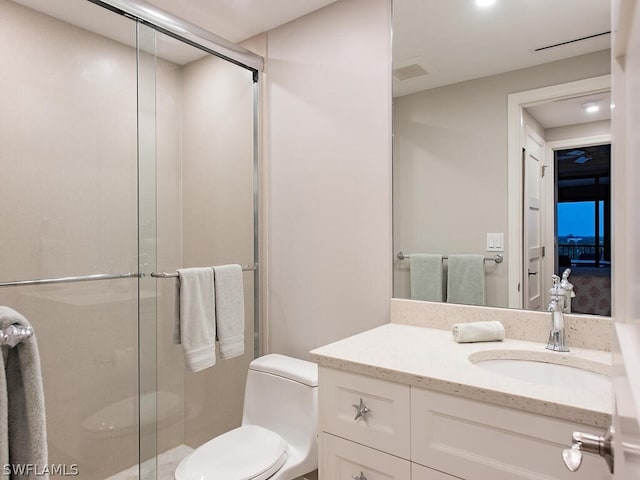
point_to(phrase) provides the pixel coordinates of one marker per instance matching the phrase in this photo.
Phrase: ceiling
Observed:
(570, 111)
(452, 40)
(455, 40)
(234, 20)
(238, 20)
(584, 162)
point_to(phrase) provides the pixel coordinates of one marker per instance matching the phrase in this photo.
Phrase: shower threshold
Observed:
(167, 464)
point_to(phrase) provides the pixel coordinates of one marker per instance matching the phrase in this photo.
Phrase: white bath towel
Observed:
(23, 432)
(478, 332)
(230, 310)
(196, 329)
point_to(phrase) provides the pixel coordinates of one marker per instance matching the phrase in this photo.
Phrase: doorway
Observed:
(582, 207)
(528, 111)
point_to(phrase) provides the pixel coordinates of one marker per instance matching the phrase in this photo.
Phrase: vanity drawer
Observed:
(476, 441)
(418, 472)
(384, 426)
(343, 459)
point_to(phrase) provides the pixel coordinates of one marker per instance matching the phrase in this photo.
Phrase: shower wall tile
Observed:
(217, 170)
(169, 251)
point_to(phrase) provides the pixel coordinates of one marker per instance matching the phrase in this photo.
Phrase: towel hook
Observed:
(14, 334)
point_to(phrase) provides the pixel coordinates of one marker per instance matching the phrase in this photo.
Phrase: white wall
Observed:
(581, 130)
(626, 224)
(328, 142)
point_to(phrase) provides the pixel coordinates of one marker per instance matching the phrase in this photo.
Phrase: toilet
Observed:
(277, 438)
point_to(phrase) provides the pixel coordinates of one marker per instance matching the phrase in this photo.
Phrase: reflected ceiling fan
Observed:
(577, 156)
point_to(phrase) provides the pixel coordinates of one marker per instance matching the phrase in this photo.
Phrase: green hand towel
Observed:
(426, 277)
(465, 280)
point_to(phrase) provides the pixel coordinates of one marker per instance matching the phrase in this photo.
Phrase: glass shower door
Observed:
(148, 143)
(68, 205)
(125, 152)
(205, 176)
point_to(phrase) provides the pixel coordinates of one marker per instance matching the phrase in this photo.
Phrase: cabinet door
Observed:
(478, 441)
(384, 424)
(418, 472)
(346, 460)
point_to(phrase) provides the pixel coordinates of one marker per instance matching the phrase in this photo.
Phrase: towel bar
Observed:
(84, 278)
(245, 268)
(14, 334)
(498, 258)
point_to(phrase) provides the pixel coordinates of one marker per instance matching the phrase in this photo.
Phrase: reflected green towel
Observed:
(465, 280)
(426, 277)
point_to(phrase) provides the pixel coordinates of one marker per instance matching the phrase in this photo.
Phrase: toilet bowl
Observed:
(277, 438)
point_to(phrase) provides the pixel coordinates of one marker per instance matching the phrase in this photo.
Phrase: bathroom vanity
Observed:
(407, 402)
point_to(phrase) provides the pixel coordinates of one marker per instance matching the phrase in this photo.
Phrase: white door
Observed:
(626, 251)
(533, 249)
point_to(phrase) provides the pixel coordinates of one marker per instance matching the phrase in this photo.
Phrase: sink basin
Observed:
(545, 369)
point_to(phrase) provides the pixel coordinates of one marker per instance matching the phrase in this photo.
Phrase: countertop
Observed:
(430, 358)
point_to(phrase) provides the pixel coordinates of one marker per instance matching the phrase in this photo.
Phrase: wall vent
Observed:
(571, 41)
(408, 72)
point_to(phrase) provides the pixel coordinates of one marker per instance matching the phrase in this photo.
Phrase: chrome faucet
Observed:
(557, 304)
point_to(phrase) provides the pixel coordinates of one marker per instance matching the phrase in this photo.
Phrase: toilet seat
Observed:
(249, 452)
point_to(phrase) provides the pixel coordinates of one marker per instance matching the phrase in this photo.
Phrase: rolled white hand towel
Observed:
(478, 332)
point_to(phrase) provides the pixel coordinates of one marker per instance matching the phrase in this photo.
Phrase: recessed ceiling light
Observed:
(612, 106)
(485, 3)
(591, 107)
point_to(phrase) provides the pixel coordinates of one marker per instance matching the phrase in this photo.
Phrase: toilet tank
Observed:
(281, 395)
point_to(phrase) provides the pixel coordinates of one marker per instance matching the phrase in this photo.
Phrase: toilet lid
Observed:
(249, 452)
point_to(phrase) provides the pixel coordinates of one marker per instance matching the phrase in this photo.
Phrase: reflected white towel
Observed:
(230, 310)
(197, 321)
(478, 332)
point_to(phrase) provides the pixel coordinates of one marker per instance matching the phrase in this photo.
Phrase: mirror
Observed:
(461, 75)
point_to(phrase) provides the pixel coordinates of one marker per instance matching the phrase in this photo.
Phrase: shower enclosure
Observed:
(127, 150)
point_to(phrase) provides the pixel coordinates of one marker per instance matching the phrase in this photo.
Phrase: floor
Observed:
(167, 464)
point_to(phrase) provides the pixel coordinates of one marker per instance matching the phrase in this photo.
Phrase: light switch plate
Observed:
(495, 242)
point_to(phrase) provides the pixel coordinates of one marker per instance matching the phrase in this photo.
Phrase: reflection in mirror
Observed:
(455, 65)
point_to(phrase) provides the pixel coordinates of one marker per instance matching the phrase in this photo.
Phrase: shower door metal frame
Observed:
(149, 15)
(184, 31)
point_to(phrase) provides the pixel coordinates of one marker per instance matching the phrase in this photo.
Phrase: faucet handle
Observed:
(556, 290)
(566, 284)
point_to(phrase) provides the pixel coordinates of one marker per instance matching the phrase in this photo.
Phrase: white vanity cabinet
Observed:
(373, 429)
(476, 440)
(348, 460)
(365, 427)
(367, 410)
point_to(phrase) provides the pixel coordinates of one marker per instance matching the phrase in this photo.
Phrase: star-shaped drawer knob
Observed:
(361, 411)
